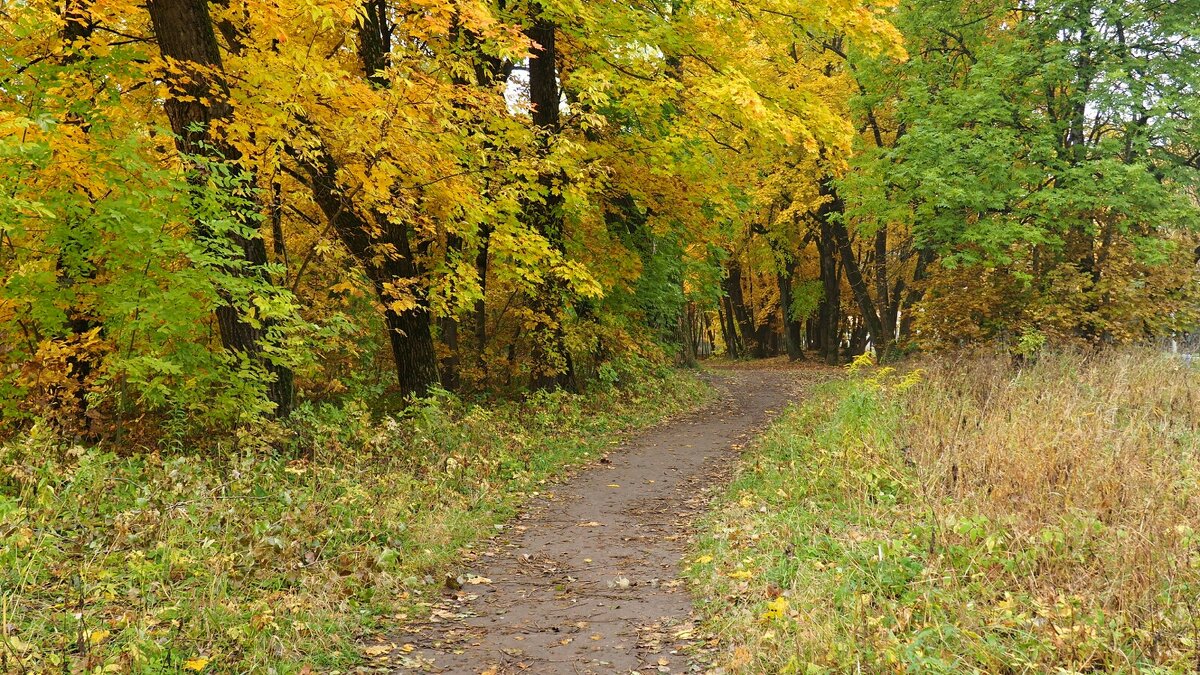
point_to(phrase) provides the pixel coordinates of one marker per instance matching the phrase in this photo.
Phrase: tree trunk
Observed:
(915, 292)
(381, 245)
(733, 344)
(448, 333)
(487, 71)
(550, 355)
(858, 284)
(732, 285)
(792, 339)
(481, 269)
(382, 248)
(883, 302)
(198, 98)
(687, 336)
(829, 314)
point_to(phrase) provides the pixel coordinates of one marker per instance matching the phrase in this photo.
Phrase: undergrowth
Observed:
(974, 516)
(268, 561)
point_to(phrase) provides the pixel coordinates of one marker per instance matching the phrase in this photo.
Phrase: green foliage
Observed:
(1052, 146)
(806, 298)
(125, 268)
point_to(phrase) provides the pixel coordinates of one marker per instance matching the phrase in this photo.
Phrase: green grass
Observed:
(244, 560)
(977, 517)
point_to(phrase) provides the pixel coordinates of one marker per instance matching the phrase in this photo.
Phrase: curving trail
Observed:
(585, 582)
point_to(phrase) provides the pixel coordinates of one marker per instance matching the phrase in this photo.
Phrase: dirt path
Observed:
(585, 582)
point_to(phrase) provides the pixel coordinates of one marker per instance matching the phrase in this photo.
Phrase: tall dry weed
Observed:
(1091, 459)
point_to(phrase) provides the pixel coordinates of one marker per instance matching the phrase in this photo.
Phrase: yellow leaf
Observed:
(196, 665)
(97, 636)
(704, 560)
(776, 608)
(741, 575)
(378, 650)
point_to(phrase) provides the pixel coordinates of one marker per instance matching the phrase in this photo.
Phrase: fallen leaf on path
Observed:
(590, 523)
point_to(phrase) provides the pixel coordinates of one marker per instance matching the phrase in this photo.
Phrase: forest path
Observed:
(585, 580)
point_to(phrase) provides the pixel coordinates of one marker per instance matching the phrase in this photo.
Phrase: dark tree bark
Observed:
(449, 364)
(689, 333)
(448, 332)
(382, 247)
(858, 286)
(915, 292)
(883, 302)
(198, 99)
(857, 343)
(831, 212)
(481, 269)
(380, 244)
(829, 312)
(732, 285)
(733, 343)
(792, 337)
(550, 353)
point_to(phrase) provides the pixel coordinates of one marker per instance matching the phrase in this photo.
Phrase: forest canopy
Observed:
(216, 211)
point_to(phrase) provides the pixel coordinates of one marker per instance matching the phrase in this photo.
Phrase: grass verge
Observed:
(974, 517)
(257, 561)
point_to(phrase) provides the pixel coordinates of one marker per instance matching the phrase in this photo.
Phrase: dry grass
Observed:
(1100, 452)
(985, 516)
